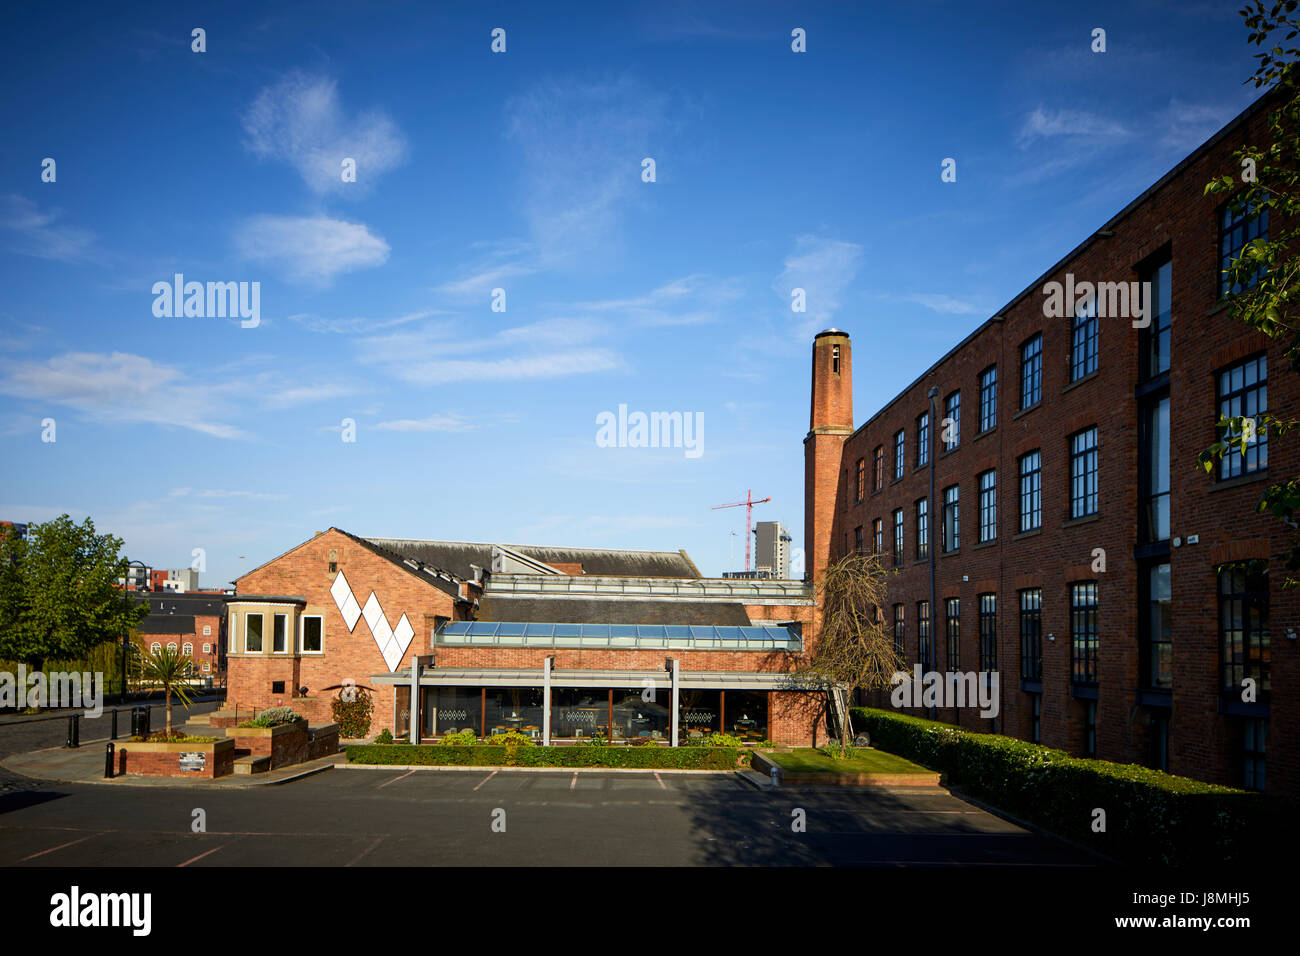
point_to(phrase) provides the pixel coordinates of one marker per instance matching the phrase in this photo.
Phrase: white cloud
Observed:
(31, 232)
(311, 249)
(1045, 124)
(824, 269)
(305, 394)
(359, 325)
(937, 302)
(434, 423)
(686, 301)
(300, 121)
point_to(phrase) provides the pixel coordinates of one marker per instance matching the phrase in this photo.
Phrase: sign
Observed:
(194, 761)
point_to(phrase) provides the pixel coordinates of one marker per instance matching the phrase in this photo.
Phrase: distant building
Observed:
(194, 623)
(181, 580)
(17, 528)
(772, 549)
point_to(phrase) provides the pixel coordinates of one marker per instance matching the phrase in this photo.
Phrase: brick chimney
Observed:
(830, 423)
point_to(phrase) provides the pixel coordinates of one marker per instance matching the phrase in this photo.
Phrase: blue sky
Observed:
(523, 171)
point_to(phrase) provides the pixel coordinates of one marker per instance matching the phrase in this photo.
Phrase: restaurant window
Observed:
(951, 519)
(1239, 225)
(1083, 473)
(1031, 491)
(988, 624)
(1243, 626)
(1243, 393)
(952, 628)
(922, 529)
(1031, 372)
(922, 439)
(951, 433)
(1031, 634)
(1084, 637)
(988, 398)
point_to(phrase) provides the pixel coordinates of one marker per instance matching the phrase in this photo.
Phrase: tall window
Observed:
(988, 485)
(923, 634)
(1036, 718)
(1083, 473)
(862, 479)
(1155, 337)
(312, 634)
(1090, 728)
(952, 622)
(898, 538)
(922, 529)
(1156, 628)
(1031, 491)
(1243, 626)
(1083, 341)
(922, 439)
(1255, 732)
(988, 398)
(1031, 634)
(899, 439)
(878, 469)
(1153, 464)
(878, 536)
(280, 633)
(1238, 226)
(988, 621)
(1084, 638)
(899, 630)
(858, 543)
(253, 633)
(951, 519)
(1031, 372)
(1243, 392)
(951, 432)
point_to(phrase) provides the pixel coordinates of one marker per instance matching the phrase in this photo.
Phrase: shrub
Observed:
(353, 716)
(511, 738)
(1151, 817)
(160, 737)
(274, 717)
(384, 737)
(643, 742)
(681, 758)
(461, 738)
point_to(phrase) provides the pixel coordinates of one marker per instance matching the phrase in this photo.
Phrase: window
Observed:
(1083, 473)
(155, 648)
(188, 649)
(206, 667)
(1243, 392)
(922, 439)
(878, 536)
(171, 646)
(1159, 759)
(923, 634)
(922, 529)
(1239, 226)
(952, 628)
(277, 687)
(988, 622)
(1031, 372)
(1083, 341)
(207, 630)
(898, 538)
(312, 634)
(234, 633)
(1155, 337)
(1153, 463)
(878, 469)
(1243, 626)
(951, 421)
(1031, 634)
(857, 539)
(899, 630)
(253, 633)
(835, 359)
(988, 398)
(951, 519)
(1090, 729)
(862, 479)
(207, 648)
(1036, 718)
(1255, 731)
(1155, 623)
(1031, 491)
(899, 439)
(988, 485)
(1084, 639)
(279, 631)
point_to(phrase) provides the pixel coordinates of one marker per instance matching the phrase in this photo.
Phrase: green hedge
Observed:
(676, 758)
(1151, 817)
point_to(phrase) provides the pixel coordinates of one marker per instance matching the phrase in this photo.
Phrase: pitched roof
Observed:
(166, 624)
(457, 556)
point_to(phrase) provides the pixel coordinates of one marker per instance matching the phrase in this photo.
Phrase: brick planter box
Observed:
(286, 744)
(789, 778)
(156, 759)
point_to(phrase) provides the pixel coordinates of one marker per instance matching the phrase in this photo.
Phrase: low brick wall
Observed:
(324, 741)
(285, 744)
(163, 760)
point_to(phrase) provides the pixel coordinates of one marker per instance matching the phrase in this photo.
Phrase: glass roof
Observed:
(621, 635)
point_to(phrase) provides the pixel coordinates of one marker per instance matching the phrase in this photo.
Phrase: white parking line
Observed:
(574, 782)
(357, 859)
(394, 780)
(53, 848)
(487, 778)
(199, 857)
(662, 785)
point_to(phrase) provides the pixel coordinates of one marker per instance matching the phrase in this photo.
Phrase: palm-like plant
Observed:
(171, 668)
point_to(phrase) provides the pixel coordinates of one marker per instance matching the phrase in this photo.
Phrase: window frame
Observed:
(1085, 633)
(987, 615)
(988, 399)
(951, 528)
(1035, 495)
(1031, 371)
(302, 627)
(1085, 473)
(988, 505)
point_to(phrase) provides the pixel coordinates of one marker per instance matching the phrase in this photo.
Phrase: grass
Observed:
(807, 760)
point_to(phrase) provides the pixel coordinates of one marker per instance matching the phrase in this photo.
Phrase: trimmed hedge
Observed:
(1151, 817)
(650, 758)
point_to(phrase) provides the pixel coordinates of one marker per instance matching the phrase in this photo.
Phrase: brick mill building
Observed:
(1059, 531)
(557, 643)
(193, 623)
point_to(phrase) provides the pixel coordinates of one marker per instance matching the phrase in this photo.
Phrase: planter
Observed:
(287, 743)
(154, 759)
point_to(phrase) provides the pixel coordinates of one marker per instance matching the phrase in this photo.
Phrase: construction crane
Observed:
(749, 503)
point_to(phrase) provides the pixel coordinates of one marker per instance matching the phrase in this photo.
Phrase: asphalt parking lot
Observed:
(481, 817)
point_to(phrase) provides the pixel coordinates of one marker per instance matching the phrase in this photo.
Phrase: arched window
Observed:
(171, 645)
(188, 648)
(207, 648)
(155, 647)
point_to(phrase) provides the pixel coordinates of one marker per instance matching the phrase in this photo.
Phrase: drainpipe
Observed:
(934, 532)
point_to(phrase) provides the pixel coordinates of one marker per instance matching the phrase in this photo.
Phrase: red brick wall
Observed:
(138, 763)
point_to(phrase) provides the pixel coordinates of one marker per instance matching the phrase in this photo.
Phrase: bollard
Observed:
(113, 733)
(108, 759)
(776, 776)
(74, 730)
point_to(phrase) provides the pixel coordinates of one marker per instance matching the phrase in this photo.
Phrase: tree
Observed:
(853, 649)
(1265, 273)
(59, 592)
(171, 668)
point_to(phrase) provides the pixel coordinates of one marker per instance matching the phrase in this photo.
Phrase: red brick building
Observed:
(194, 622)
(558, 643)
(1037, 490)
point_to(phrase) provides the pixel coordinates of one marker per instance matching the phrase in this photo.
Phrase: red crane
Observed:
(749, 503)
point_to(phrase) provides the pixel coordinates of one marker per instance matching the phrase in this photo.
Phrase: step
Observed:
(253, 764)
